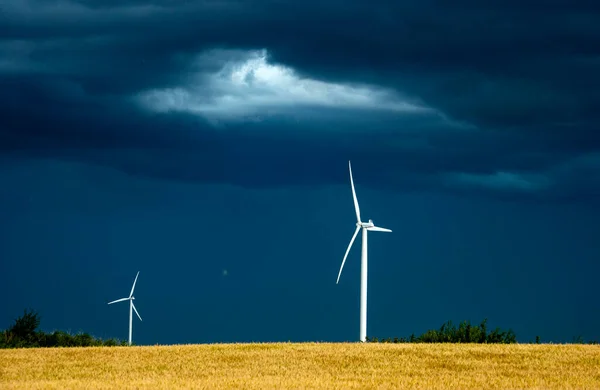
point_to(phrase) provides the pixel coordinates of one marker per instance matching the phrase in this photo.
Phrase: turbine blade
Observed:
(356, 208)
(135, 310)
(118, 300)
(347, 251)
(378, 229)
(133, 287)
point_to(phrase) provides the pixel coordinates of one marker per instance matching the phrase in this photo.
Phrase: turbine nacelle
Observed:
(365, 224)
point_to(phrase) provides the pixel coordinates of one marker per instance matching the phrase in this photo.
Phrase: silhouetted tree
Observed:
(483, 331)
(25, 326)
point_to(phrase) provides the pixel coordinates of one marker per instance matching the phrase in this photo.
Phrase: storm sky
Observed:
(206, 145)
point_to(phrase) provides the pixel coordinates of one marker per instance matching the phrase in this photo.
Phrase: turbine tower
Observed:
(365, 226)
(131, 306)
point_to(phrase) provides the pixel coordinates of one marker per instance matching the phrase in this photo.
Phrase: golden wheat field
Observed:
(305, 365)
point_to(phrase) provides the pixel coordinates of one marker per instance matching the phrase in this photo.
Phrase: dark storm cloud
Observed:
(517, 84)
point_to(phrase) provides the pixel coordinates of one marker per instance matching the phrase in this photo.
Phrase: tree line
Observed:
(24, 333)
(464, 333)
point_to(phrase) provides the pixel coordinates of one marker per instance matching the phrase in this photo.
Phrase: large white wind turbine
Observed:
(365, 226)
(132, 308)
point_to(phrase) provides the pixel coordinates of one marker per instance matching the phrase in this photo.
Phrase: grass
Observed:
(306, 365)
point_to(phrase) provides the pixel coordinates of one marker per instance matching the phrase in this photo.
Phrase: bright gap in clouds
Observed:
(248, 85)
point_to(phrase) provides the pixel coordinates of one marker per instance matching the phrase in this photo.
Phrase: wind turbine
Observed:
(132, 308)
(365, 226)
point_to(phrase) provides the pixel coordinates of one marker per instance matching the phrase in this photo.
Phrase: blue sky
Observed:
(205, 144)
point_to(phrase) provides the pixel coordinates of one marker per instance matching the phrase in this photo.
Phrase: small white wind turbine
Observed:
(365, 226)
(131, 306)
